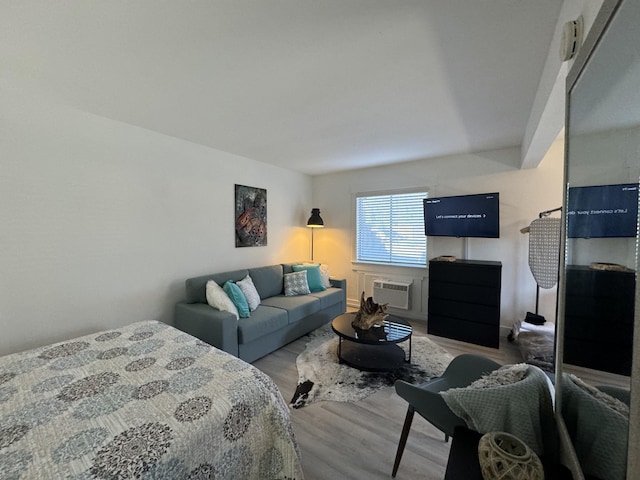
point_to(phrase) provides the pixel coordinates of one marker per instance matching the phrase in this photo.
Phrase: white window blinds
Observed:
(390, 229)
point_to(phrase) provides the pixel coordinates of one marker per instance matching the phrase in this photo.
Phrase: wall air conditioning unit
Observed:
(396, 293)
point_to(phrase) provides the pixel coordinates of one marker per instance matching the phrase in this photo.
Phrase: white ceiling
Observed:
(312, 85)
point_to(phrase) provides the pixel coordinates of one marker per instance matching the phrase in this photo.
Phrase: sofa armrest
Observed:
(338, 283)
(215, 327)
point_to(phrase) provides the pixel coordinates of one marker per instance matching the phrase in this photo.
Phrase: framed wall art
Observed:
(250, 216)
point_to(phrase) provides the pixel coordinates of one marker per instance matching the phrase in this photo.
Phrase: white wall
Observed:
(523, 194)
(101, 222)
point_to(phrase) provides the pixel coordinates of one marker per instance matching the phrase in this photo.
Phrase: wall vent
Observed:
(396, 293)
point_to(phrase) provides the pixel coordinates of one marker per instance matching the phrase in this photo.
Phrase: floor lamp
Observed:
(315, 221)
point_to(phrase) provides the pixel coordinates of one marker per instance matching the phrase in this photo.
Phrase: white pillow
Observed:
(324, 273)
(296, 283)
(218, 298)
(250, 292)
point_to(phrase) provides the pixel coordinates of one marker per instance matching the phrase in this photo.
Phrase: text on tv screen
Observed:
(475, 215)
(601, 211)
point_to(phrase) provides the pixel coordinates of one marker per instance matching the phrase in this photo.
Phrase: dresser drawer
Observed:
(466, 274)
(473, 312)
(465, 331)
(480, 294)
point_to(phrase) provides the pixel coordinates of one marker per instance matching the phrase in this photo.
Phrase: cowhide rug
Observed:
(321, 377)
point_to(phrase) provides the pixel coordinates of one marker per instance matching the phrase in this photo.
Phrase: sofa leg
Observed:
(403, 439)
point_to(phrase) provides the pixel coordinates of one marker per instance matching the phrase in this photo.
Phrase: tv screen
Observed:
(601, 211)
(463, 216)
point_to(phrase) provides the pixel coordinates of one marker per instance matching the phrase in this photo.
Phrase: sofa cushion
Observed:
(237, 297)
(295, 283)
(264, 320)
(218, 298)
(330, 296)
(297, 307)
(250, 292)
(288, 267)
(314, 279)
(267, 280)
(195, 288)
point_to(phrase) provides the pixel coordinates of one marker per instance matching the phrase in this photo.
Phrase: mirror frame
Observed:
(601, 23)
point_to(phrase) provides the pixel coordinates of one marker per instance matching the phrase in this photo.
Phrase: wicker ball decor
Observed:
(504, 456)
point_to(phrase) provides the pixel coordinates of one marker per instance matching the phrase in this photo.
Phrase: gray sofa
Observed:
(277, 321)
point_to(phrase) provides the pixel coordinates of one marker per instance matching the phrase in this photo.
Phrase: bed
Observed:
(142, 401)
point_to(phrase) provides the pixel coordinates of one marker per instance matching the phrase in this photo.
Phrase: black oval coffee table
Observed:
(375, 349)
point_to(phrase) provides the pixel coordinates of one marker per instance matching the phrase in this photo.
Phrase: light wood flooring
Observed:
(359, 440)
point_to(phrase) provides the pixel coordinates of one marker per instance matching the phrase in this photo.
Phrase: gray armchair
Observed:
(425, 399)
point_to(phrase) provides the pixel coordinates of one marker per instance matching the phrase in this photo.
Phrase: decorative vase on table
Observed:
(504, 456)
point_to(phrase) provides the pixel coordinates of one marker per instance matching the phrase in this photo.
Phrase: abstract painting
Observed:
(251, 216)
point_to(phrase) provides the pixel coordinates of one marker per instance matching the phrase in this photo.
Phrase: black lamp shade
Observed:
(315, 220)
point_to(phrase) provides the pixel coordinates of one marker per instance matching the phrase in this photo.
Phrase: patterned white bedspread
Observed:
(142, 401)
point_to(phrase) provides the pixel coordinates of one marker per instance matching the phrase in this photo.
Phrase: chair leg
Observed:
(403, 439)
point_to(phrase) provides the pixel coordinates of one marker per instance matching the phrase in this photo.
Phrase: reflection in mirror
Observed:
(600, 255)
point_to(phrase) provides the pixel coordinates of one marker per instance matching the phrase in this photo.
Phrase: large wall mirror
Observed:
(597, 295)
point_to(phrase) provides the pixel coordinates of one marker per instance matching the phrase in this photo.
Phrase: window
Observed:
(390, 229)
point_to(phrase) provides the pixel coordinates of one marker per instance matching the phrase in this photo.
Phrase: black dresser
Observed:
(464, 300)
(599, 312)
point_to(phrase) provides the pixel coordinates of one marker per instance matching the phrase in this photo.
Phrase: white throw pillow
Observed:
(296, 283)
(218, 298)
(250, 292)
(324, 273)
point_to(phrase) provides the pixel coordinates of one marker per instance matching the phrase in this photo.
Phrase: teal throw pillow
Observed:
(314, 279)
(237, 297)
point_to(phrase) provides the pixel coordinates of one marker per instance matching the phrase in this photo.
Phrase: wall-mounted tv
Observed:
(475, 215)
(601, 211)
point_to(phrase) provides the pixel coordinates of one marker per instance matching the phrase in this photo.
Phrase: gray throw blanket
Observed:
(598, 428)
(513, 399)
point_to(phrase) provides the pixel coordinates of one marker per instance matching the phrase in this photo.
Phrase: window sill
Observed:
(361, 264)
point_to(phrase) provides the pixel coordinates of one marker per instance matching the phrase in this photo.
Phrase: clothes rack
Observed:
(549, 212)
